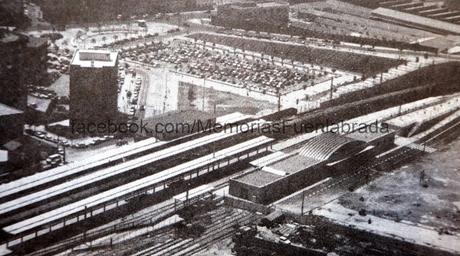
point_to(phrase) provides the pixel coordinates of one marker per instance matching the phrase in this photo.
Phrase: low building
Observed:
(252, 15)
(39, 109)
(327, 155)
(11, 123)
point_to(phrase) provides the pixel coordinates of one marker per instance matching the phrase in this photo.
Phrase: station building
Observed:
(93, 86)
(326, 155)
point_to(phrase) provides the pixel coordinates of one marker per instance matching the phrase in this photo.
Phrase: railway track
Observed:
(223, 226)
(148, 218)
(201, 243)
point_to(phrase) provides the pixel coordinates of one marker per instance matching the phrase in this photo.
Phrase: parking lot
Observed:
(216, 64)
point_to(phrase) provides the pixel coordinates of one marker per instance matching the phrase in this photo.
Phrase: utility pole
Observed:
(213, 149)
(332, 87)
(204, 92)
(303, 202)
(278, 93)
(187, 193)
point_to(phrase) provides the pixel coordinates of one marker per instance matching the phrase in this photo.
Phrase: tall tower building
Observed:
(12, 90)
(93, 86)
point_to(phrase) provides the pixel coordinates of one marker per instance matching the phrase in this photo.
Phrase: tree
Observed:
(115, 37)
(104, 38)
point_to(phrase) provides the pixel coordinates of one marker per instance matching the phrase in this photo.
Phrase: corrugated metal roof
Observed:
(323, 147)
(415, 19)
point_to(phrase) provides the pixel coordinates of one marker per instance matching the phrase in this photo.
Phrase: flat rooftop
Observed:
(250, 4)
(258, 178)
(7, 36)
(39, 104)
(294, 164)
(367, 136)
(426, 114)
(271, 4)
(6, 110)
(266, 175)
(95, 58)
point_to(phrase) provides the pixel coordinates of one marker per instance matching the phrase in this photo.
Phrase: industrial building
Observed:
(415, 21)
(249, 15)
(93, 86)
(326, 155)
(75, 11)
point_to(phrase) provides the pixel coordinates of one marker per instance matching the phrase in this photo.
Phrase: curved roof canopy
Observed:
(331, 147)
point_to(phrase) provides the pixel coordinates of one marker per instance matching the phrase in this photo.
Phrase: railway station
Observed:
(323, 156)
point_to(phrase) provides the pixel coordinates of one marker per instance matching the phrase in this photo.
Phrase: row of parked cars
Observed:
(124, 41)
(59, 61)
(227, 67)
(137, 89)
(65, 142)
(41, 92)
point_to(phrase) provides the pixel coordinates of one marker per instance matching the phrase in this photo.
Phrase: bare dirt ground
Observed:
(400, 195)
(192, 96)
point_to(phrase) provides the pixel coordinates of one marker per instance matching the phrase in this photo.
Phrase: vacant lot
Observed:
(400, 195)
